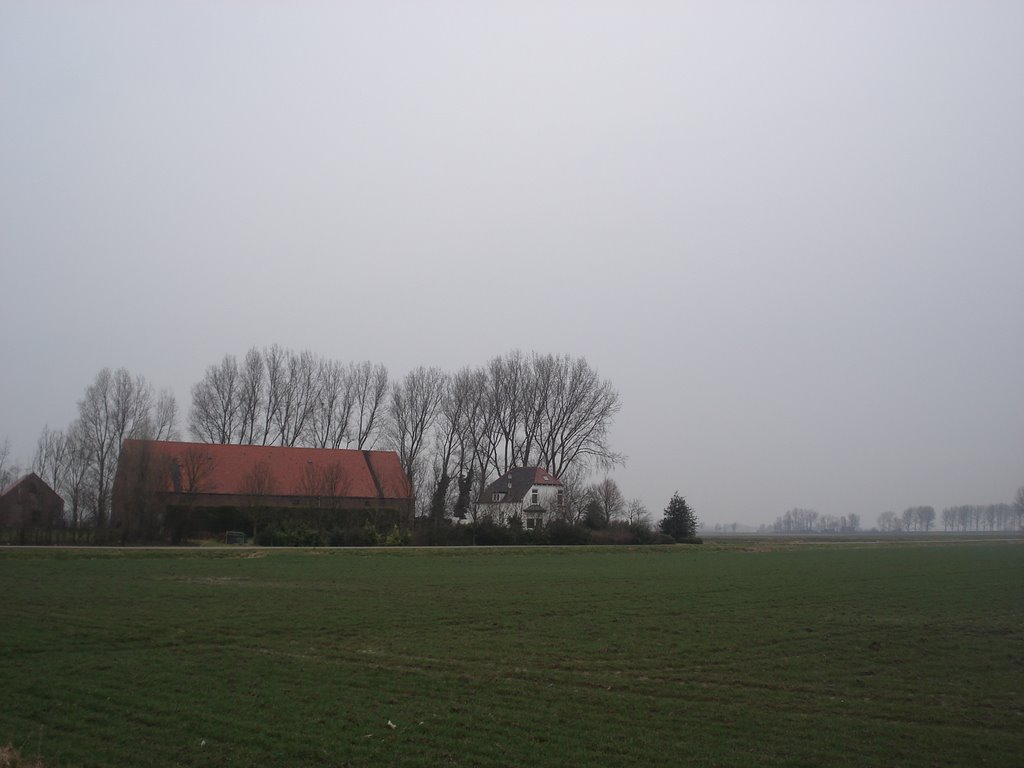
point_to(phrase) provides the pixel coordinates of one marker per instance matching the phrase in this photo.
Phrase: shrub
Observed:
(488, 534)
(616, 533)
(363, 536)
(459, 535)
(396, 537)
(534, 536)
(289, 533)
(562, 532)
(642, 533)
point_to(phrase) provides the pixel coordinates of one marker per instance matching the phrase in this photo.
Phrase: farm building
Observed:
(532, 493)
(173, 489)
(29, 510)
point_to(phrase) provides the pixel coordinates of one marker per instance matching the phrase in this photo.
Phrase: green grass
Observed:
(743, 655)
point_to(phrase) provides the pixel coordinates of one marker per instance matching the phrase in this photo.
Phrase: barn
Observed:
(30, 510)
(175, 490)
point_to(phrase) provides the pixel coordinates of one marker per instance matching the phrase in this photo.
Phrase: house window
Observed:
(497, 496)
(531, 522)
(560, 499)
(533, 496)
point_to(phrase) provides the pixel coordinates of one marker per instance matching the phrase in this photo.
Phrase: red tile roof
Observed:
(14, 485)
(366, 474)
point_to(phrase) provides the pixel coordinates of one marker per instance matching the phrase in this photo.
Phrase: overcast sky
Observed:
(791, 233)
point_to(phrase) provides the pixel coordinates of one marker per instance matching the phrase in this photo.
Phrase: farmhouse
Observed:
(172, 488)
(532, 493)
(28, 508)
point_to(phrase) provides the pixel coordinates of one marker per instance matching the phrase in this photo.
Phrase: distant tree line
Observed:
(800, 520)
(985, 517)
(913, 519)
(918, 519)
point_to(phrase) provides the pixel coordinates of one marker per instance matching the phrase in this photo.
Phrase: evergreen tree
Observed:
(679, 521)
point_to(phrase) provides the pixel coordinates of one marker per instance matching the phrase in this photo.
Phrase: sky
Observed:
(790, 233)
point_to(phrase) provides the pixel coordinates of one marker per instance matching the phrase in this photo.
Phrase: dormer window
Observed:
(497, 496)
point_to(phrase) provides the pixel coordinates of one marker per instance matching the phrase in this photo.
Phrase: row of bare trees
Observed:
(967, 517)
(920, 518)
(985, 517)
(452, 431)
(280, 397)
(799, 520)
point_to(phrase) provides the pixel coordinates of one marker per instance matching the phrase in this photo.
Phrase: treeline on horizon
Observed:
(920, 519)
(453, 432)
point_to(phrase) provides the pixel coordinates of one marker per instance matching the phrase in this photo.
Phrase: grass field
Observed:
(722, 655)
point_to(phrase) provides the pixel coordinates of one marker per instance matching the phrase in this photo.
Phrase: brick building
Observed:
(29, 510)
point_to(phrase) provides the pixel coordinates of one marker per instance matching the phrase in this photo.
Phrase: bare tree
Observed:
(889, 521)
(133, 400)
(274, 361)
(332, 407)
(609, 499)
(216, 403)
(577, 415)
(925, 517)
(547, 409)
(798, 520)
(508, 380)
(51, 457)
(252, 391)
(116, 407)
(636, 512)
(297, 397)
(457, 439)
(7, 472)
(369, 386)
(164, 424)
(96, 417)
(415, 401)
(76, 488)
(575, 496)
(1018, 506)
(468, 411)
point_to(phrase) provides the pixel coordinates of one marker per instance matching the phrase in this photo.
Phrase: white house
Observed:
(533, 493)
